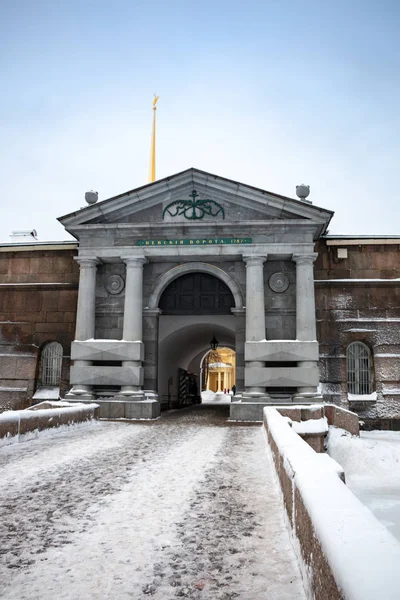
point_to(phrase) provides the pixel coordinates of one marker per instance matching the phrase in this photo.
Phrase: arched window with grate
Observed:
(51, 364)
(359, 374)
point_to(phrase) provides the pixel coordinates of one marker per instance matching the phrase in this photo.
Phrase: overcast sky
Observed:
(270, 93)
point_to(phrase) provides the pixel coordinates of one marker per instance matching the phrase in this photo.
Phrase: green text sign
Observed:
(195, 242)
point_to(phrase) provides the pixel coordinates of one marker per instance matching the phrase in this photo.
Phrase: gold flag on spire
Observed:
(152, 166)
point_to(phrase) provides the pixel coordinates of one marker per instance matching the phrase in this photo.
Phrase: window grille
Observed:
(358, 369)
(51, 364)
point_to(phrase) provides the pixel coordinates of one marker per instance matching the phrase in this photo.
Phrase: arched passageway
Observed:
(195, 308)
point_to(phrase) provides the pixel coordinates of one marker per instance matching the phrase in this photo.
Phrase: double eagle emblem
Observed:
(194, 209)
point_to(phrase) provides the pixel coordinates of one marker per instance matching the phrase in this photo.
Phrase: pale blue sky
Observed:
(270, 93)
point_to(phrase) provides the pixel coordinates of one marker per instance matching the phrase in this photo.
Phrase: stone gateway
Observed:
(167, 267)
(146, 300)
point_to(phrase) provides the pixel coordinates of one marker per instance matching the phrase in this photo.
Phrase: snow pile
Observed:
(55, 404)
(311, 426)
(210, 397)
(372, 466)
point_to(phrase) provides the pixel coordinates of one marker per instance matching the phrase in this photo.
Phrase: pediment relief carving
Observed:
(192, 197)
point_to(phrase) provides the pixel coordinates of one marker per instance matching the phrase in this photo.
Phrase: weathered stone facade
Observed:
(38, 296)
(358, 299)
(263, 251)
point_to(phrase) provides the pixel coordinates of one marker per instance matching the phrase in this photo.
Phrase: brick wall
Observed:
(367, 311)
(38, 297)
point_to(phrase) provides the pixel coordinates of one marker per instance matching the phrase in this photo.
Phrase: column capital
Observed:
(305, 259)
(251, 259)
(134, 261)
(87, 262)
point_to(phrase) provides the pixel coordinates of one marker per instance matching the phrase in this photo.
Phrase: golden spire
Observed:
(152, 166)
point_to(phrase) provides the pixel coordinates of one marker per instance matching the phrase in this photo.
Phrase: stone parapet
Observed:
(17, 424)
(340, 417)
(344, 550)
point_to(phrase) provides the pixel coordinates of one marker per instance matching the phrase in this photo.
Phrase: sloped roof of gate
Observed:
(265, 204)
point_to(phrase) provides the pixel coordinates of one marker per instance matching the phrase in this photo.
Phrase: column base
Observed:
(307, 397)
(76, 395)
(131, 394)
(256, 397)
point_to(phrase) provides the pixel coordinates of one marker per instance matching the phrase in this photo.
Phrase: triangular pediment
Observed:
(194, 196)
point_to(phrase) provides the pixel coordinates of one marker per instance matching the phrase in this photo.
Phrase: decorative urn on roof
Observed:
(91, 197)
(303, 191)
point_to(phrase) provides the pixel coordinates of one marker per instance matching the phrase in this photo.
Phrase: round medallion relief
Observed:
(279, 282)
(115, 284)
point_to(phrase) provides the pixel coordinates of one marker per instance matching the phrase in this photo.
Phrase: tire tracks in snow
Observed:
(232, 541)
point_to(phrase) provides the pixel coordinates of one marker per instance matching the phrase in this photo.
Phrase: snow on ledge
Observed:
(362, 397)
(311, 426)
(361, 553)
(23, 425)
(32, 413)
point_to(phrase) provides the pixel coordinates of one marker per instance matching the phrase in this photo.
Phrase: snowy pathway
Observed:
(181, 507)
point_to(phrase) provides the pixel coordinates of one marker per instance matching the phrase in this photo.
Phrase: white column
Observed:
(305, 311)
(133, 311)
(255, 306)
(305, 299)
(85, 314)
(255, 310)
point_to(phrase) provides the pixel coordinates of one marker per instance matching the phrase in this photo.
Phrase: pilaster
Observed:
(240, 338)
(151, 317)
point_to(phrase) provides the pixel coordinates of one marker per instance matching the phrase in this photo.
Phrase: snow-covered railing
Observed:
(345, 551)
(22, 425)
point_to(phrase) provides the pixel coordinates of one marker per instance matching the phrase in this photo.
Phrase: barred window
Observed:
(358, 369)
(51, 364)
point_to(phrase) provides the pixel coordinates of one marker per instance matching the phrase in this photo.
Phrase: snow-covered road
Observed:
(182, 507)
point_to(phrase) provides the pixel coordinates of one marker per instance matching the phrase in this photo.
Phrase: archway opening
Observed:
(195, 307)
(218, 369)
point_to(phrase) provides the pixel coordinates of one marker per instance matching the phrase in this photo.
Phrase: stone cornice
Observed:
(38, 285)
(357, 282)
